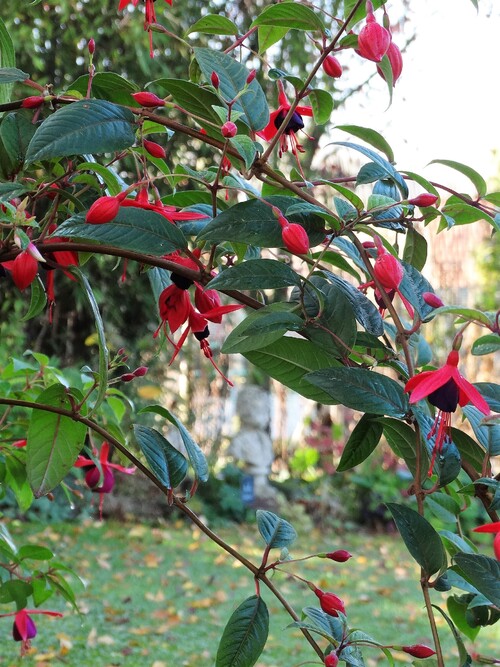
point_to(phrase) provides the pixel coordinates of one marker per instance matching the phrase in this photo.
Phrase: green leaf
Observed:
(107, 86)
(464, 659)
(256, 274)
(132, 229)
(469, 449)
(37, 301)
(253, 222)
(402, 441)
(232, 76)
(16, 131)
(245, 147)
(443, 507)
(321, 103)
(195, 455)
(16, 591)
(34, 552)
(54, 442)
(262, 327)
(290, 15)
(463, 213)
(269, 35)
(364, 310)
(42, 590)
(213, 24)
(482, 572)
(476, 178)
(415, 252)
(471, 314)
(16, 480)
(362, 442)
(167, 463)
(421, 540)
(277, 532)
(289, 360)
(487, 435)
(488, 344)
(198, 101)
(7, 60)
(363, 390)
(371, 137)
(11, 75)
(245, 635)
(455, 544)
(457, 610)
(86, 126)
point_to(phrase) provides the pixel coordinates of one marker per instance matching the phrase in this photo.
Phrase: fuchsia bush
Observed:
(340, 337)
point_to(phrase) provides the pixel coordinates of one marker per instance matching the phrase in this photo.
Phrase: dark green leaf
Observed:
(37, 301)
(421, 540)
(464, 659)
(443, 507)
(290, 15)
(195, 455)
(469, 449)
(277, 532)
(487, 436)
(132, 229)
(12, 74)
(476, 179)
(415, 252)
(261, 328)
(213, 24)
(16, 480)
(321, 103)
(7, 59)
(34, 552)
(328, 624)
(16, 591)
(54, 441)
(232, 76)
(256, 274)
(245, 635)
(362, 390)
(488, 344)
(364, 310)
(483, 573)
(455, 544)
(371, 172)
(246, 148)
(371, 137)
(198, 101)
(86, 126)
(402, 441)
(491, 393)
(457, 610)
(362, 442)
(16, 131)
(107, 86)
(42, 590)
(167, 463)
(288, 360)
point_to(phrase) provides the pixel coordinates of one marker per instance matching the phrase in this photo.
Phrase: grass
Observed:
(159, 597)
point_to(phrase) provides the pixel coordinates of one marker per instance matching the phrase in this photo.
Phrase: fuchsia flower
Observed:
(149, 17)
(330, 603)
(492, 528)
(395, 61)
(444, 388)
(332, 67)
(99, 477)
(295, 124)
(24, 627)
(295, 238)
(373, 40)
(419, 650)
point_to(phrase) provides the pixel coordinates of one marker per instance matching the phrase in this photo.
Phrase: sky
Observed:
(446, 103)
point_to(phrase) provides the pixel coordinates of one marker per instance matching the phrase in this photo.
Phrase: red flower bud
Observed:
(330, 603)
(127, 377)
(154, 149)
(331, 660)
(140, 372)
(91, 46)
(396, 62)
(20, 443)
(24, 270)
(332, 67)
(251, 76)
(373, 40)
(229, 130)
(424, 199)
(419, 650)
(214, 78)
(432, 299)
(340, 556)
(295, 238)
(103, 210)
(388, 271)
(32, 102)
(148, 99)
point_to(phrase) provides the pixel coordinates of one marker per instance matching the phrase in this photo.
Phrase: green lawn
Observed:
(158, 597)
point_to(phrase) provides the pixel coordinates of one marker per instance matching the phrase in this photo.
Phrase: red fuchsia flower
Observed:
(432, 299)
(419, 650)
(24, 627)
(332, 67)
(332, 660)
(103, 210)
(99, 477)
(288, 138)
(424, 199)
(154, 149)
(168, 212)
(395, 61)
(32, 102)
(148, 100)
(444, 388)
(330, 603)
(294, 236)
(149, 17)
(24, 267)
(229, 130)
(20, 443)
(492, 528)
(373, 40)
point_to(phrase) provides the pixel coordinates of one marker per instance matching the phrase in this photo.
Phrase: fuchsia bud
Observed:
(295, 238)
(24, 270)
(214, 78)
(396, 62)
(419, 650)
(229, 130)
(154, 149)
(330, 603)
(251, 77)
(340, 556)
(103, 210)
(432, 300)
(424, 199)
(146, 99)
(332, 67)
(373, 39)
(140, 372)
(387, 269)
(91, 46)
(331, 660)
(32, 102)
(127, 377)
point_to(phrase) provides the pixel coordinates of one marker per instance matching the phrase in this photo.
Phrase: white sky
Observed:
(446, 105)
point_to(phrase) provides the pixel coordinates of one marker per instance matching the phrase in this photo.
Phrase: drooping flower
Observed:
(63, 259)
(445, 388)
(491, 528)
(395, 61)
(373, 39)
(295, 238)
(171, 213)
(99, 477)
(24, 627)
(149, 17)
(288, 138)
